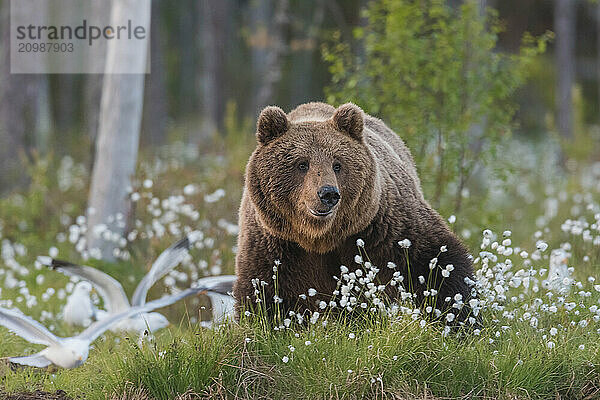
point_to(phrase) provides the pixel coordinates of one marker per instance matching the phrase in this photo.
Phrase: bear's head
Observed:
(313, 182)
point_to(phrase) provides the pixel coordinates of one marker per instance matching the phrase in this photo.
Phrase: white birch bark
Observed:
(118, 133)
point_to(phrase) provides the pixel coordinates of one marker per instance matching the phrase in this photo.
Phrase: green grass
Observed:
(388, 358)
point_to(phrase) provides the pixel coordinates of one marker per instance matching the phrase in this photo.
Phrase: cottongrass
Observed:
(537, 291)
(159, 220)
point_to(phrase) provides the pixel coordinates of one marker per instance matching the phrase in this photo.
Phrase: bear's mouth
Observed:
(320, 214)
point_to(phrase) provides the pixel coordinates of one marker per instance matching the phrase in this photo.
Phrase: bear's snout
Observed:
(329, 195)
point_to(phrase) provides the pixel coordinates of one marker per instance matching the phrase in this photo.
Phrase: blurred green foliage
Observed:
(433, 73)
(585, 144)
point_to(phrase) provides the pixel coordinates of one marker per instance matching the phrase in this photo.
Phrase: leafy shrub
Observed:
(433, 72)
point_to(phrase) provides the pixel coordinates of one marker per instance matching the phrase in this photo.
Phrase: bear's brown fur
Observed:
(380, 202)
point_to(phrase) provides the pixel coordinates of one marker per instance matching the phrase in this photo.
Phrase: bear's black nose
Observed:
(329, 195)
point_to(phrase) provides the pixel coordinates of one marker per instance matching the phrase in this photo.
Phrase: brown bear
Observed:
(320, 179)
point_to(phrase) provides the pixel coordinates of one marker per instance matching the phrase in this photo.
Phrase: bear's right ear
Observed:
(272, 123)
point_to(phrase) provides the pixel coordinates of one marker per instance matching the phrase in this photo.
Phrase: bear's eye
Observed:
(303, 165)
(337, 167)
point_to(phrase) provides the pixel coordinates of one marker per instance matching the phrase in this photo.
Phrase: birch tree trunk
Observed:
(564, 26)
(118, 134)
(214, 40)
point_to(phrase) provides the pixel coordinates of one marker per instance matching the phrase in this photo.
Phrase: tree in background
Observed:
(24, 116)
(271, 58)
(304, 49)
(597, 6)
(118, 135)
(433, 73)
(564, 27)
(258, 40)
(214, 37)
(155, 114)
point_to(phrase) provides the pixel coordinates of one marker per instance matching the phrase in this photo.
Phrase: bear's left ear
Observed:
(272, 123)
(348, 118)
